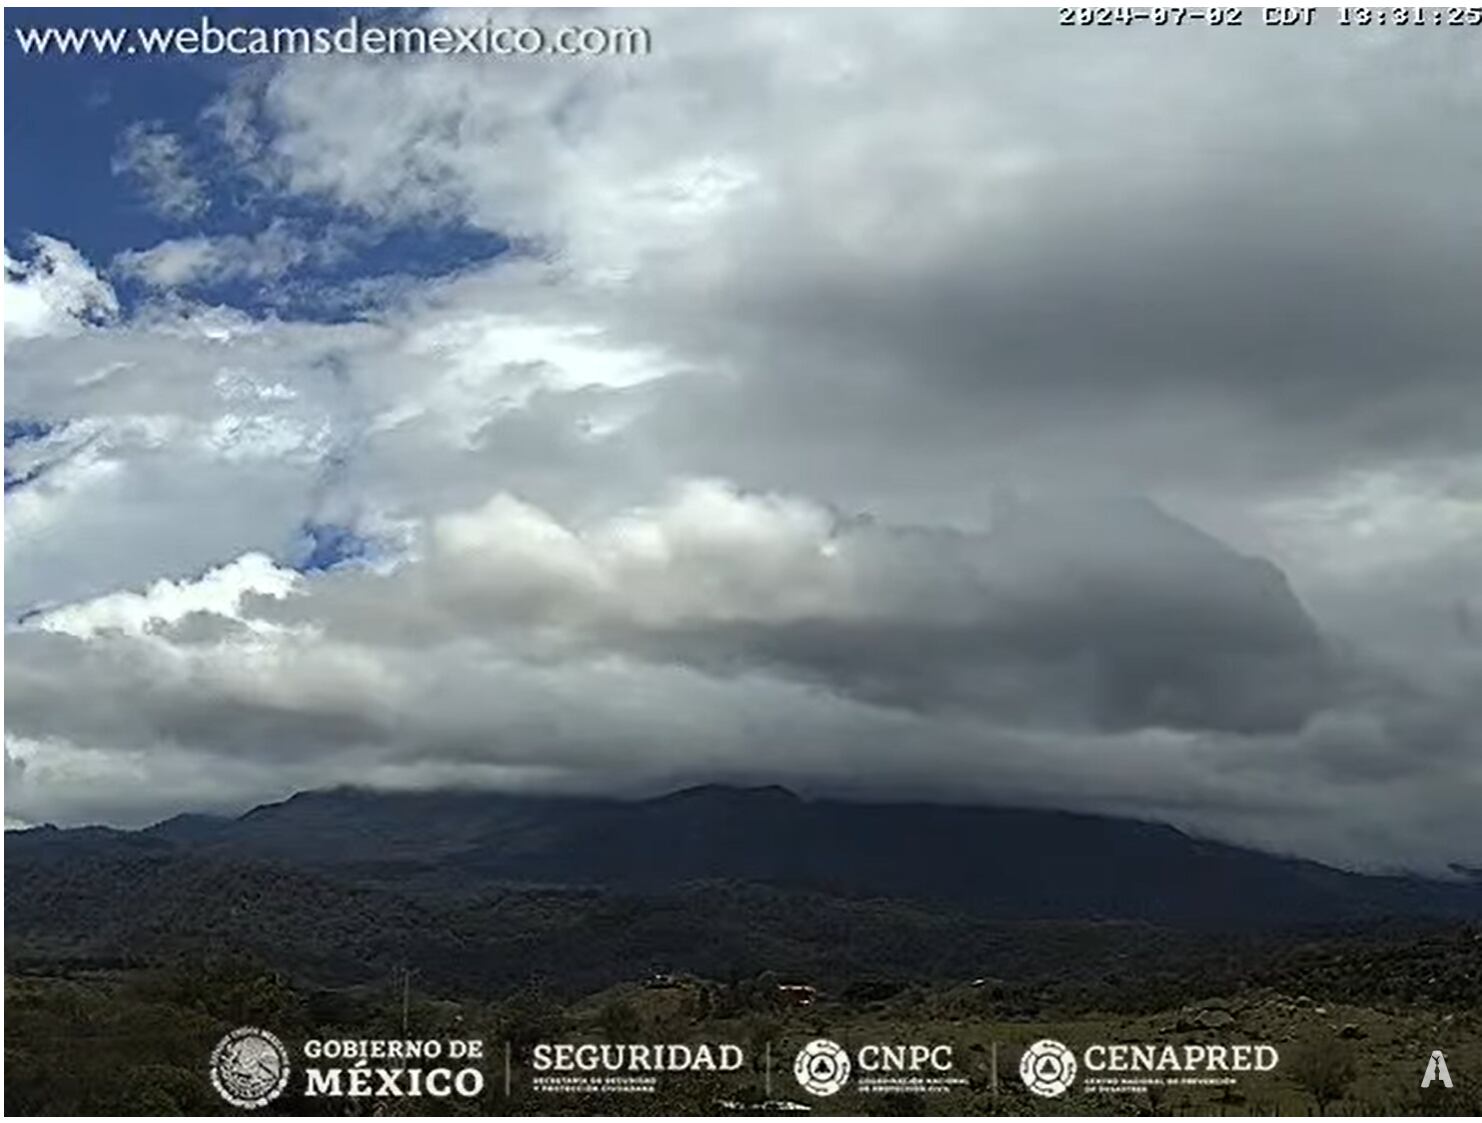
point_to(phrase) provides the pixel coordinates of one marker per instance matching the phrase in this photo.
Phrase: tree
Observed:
(620, 1021)
(1325, 1067)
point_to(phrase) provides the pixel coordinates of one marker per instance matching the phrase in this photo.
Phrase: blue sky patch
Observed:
(76, 111)
(21, 429)
(323, 546)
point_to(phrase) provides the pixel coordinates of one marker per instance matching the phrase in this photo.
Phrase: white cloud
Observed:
(266, 256)
(219, 592)
(186, 439)
(56, 292)
(157, 160)
(517, 650)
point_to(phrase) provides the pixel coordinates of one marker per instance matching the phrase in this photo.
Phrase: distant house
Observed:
(661, 980)
(797, 994)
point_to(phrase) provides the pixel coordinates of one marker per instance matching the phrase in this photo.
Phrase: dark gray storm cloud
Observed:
(1101, 615)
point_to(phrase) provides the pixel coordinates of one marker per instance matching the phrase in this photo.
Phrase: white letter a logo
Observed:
(1436, 1070)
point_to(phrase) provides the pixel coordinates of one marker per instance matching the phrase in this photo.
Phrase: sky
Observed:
(936, 405)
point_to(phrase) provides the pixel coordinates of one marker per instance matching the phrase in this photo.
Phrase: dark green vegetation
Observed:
(129, 953)
(135, 1041)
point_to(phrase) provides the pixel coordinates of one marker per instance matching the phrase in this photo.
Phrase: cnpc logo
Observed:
(823, 1067)
(1047, 1068)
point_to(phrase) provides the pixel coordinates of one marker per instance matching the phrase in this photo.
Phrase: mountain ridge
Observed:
(1009, 863)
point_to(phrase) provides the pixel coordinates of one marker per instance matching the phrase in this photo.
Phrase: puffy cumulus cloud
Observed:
(1106, 615)
(217, 594)
(54, 292)
(157, 161)
(922, 289)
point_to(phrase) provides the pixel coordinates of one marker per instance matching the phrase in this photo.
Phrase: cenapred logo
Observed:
(822, 1067)
(249, 1067)
(1047, 1068)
